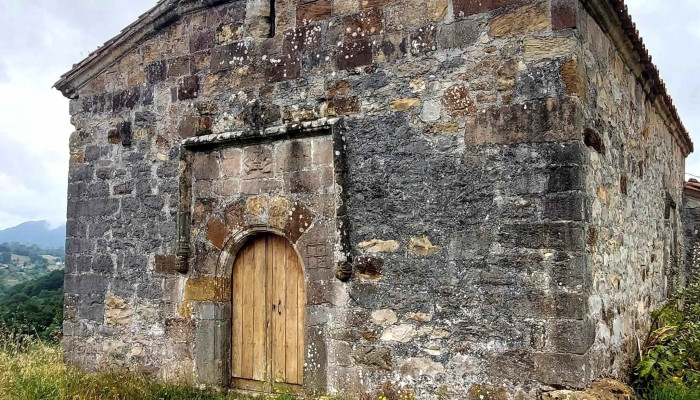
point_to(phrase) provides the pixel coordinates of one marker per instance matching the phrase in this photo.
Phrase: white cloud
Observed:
(672, 36)
(40, 40)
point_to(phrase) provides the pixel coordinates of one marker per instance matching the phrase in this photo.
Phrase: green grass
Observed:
(673, 393)
(32, 370)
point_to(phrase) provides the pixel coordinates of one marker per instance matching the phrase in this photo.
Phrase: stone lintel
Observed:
(301, 129)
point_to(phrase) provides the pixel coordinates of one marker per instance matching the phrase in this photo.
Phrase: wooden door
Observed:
(269, 311)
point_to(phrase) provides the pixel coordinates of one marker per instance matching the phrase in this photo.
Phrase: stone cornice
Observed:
(614, 19)
(157, 18)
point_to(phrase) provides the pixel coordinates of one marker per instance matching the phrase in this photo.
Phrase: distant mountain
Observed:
(35, 232)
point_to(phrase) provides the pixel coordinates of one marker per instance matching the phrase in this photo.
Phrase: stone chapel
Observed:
(329, 195)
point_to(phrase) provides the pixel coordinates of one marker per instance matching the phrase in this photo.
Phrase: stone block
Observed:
(365, 23)
(561, 179)
(373, 357)
(211, 349)
(458, 34)
(166, 264)
(211, 289)
(353, 54)
(217, 232)
(548, 47)
(284, 67)
(465, 8)
(293, 155)
(561, 369)
(520, 21)
(539, 121)
(229, 56)
(156, 72)
(300, 220)
(128, 98)
(301, 38)
(202, 40)
(569, 206)
(188, 88)
(124, 131)
(213, 311)
(179, 66)
(570, 336)
(340, 106)
(313, 10)
(458, 101)
(563, 14)
(206, 166)
(374, 3)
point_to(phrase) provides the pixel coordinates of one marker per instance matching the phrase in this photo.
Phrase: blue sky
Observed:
(41, 39)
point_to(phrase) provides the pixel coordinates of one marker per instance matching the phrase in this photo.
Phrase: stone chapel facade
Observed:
(315, 195)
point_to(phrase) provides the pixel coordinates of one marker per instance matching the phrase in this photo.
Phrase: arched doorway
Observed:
(269, 316)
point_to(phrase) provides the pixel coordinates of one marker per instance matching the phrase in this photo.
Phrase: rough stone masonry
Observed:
(485, 194)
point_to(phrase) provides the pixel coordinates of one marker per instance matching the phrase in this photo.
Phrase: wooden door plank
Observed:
(301, 323)
(259, 306)
(269, 267)
(291, 320)
(248, 289)
(279, 307)
(237, 323)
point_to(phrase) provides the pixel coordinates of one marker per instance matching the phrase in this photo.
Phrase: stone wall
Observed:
(633, 188)
(433, 152)
(691, 229)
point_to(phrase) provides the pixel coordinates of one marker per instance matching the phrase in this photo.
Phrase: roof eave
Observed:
(162, 15)
(614, 19)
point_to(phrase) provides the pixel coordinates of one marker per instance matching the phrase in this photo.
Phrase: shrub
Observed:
(670, 358)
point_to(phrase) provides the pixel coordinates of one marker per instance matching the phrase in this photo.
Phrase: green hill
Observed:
(20, 263)
(33, 307)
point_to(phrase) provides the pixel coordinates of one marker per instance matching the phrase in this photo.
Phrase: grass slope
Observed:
(35, 371)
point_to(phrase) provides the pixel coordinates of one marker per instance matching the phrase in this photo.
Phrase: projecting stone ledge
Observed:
(305, 127)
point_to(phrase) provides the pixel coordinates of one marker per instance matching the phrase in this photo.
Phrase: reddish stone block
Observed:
(179, 66)
(299, 222)
(217, 232)
(365, 23)
(463, 8)
(189, 88)
(229, 56)
(343, 106)
(354, 54)
(457, 100)
(313, 10)
(284, 68)
(202, 40)
(166, 264)
(563, 14)
(302, 38)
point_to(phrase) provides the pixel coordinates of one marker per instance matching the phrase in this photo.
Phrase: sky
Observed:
(41, 39)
